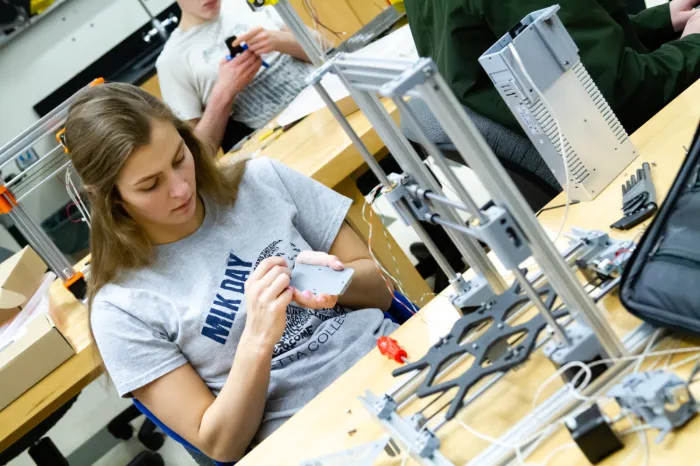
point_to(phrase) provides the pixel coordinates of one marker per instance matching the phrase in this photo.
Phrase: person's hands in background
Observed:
(235, 74)
(693, 25)
(681, 12)
(307, 298)
(261, 40)
(268, 294)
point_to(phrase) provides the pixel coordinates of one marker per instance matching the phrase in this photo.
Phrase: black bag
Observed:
(661, 284)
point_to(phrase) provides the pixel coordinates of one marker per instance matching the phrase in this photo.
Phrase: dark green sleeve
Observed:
(637, 84)
(645, 83)
(653, 26)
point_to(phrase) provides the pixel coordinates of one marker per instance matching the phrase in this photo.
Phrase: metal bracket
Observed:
(471, 293)
(410, 78)
(503, 236)
(662, 399)
(584, 346)
(602, 255)
(494, 351)
(421, 441)
(399, 191)
(317, 75)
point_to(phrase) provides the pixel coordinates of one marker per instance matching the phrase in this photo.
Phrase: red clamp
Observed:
(391, 349)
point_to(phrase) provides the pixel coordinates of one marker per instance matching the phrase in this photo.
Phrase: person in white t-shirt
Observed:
(203, 85)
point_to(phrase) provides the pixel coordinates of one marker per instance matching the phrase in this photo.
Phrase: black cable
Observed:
(544, 209)
(354, 12)
(311, 10)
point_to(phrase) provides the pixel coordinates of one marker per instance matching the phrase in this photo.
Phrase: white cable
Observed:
(75, 197)
(575, 391)
(683, 362)
(570, 385)
(494, 441)
(674, 344)
(382, 270)
(369, 223)
(635, 429)
(404, 456)
(695, 349)
(539, 435)
(554, 452)
(562, 150)
(647, 348)
(644, 443)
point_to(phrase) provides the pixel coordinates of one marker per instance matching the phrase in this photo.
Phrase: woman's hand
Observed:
(267, 295)
(307, 298)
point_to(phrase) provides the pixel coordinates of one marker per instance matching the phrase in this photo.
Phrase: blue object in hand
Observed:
(264, 63)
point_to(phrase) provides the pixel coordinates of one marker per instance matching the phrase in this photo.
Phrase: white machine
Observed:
(536, 59)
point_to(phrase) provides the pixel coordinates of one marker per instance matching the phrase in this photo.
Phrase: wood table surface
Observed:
(70, 317)
(335, 421)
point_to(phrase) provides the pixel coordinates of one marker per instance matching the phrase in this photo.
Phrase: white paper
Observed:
(308, 101)
(397, 45)
(36, 306)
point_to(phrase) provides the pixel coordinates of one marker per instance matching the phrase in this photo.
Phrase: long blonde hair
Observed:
(105, 124)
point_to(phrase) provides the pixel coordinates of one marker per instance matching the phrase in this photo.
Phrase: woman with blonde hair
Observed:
(189, 292)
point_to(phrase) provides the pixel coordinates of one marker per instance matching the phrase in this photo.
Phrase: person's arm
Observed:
(234, 76)
(222, 427)
(367, 288)
(260, 41)
(637, 85)
(654, 26)
(645, 83)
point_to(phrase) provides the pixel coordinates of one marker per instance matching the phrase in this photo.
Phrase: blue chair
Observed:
(198, 456)
(400, 311)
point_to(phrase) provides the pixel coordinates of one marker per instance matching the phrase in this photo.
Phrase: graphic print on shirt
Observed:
(301, 321)
(227, 301)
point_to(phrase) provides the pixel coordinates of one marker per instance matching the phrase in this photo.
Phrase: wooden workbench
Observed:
(324, 425)
(63, 383)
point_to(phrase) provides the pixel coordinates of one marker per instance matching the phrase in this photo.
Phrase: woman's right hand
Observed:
(268, 294)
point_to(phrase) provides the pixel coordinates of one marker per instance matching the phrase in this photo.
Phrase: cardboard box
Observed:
(34, 352)
(20, 276)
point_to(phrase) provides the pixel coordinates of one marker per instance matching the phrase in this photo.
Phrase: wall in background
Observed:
(47, 55)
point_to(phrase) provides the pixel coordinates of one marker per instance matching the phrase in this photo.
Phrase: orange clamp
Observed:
(75, 278)
(61, 138)
(7, 200)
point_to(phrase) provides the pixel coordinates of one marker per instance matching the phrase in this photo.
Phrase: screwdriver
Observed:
(391, 349)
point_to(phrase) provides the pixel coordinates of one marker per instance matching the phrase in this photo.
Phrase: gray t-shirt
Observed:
(188, 67)
(189, 305)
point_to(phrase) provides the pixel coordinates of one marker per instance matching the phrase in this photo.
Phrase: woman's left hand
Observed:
(307, 298)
